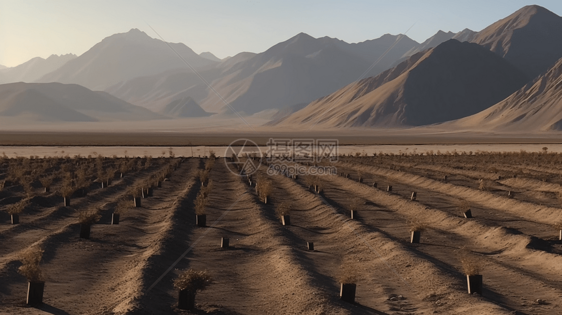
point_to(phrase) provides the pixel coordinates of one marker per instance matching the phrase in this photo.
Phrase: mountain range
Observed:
(122, 57)
(388, 81)
(33, 69)
(56, 102)
(447, 82)
(457, 84)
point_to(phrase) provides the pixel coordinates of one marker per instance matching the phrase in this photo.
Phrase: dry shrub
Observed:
(124, 167)
(206, 190)
(30, 259)
(209, 164)
(122, 207)
(47, 181)
(485, 184)
(417, 225)
(264, 187)
(135, 191)
(18, 207)
(200, 204)
(192, 280)
(89, 217)
(309, 181)
(470, 263)
(203, 176)
(463, 205)
(67, 189)
(283, 209)
(348, 273)
(26, 182)
(356, 204)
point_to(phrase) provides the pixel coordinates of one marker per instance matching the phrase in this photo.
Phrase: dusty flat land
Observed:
(261, 137)
(123, 269)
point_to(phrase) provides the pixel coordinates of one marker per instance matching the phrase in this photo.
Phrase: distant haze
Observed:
(41, 28)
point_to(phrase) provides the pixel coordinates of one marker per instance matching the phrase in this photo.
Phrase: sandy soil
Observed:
(129, 268)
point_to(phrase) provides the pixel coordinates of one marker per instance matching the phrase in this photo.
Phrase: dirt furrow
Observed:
(260, 274)
(93, 276)
(502, 254)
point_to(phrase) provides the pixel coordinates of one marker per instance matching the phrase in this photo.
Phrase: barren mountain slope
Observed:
(530, 38)
(535, 107)
(448, 82)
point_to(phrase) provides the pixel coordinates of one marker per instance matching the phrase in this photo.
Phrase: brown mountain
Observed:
(531, 39)
(535, 107)
(450, 81)
(121, 57)
(65, 102)
(184, 107)
(34, 69)
(296, 71)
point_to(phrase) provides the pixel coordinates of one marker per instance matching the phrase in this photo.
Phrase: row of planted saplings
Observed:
(469, 262)
(470, 266)
(202, 198)
(25, 173)
(31, 258)
(474, 280)
(361, 179)
(347, 284)
(190, 281)
(72, 182)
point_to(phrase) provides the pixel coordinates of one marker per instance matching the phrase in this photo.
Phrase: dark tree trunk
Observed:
(347, 292)
(35, 293)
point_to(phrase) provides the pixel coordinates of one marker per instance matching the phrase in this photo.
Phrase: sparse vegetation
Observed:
(485, 184)
(18, 207)
(283, 209)
(190, 282)
(470, 263)
(348, 273)
(46, 182)
(417, 226)
(122, 207)
(30, 259)
(89, 217)
(264, 188)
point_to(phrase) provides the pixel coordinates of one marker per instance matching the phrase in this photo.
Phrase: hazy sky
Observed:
(31, 28)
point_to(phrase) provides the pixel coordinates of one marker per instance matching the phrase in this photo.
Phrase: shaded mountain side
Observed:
(122, 57)
(184, 107)
(448, 82)
(530, 38)
(66, 102)
(535, 107)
